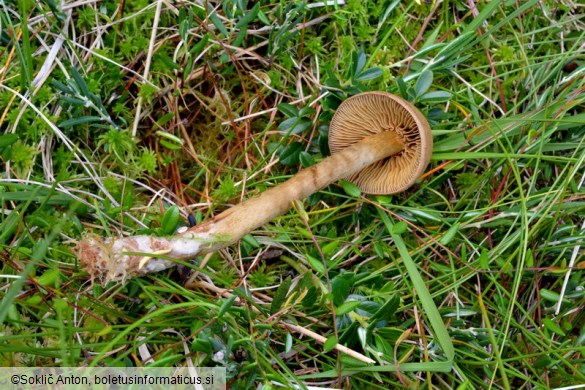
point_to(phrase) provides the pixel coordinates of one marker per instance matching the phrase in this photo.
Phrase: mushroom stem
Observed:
(245, 217)
(119, 258)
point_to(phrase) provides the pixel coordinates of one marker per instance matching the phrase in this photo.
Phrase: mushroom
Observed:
(379, 141)
(363, 115)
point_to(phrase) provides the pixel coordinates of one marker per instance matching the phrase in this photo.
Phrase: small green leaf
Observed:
(249, 17)
(49, 278)
(251, 240)
(62, 87)
(80, 82)
(290, 154)
(212, 15)
(105, 330)
(169, 145)
(60, 304)
(74, 101)
(170, 137)
(78, 121)
(330, 247)
(369, 74)
(379, 248)
(399, 227)
(167, 61)
(288, 124)
(358, 63)
(226, 306)
(263, 327)
(306, 111)
(402, 88)
(7, 140)
(423, 83)
(280, 296)
(240, 37)
(330, 343)
(288, 109)
(552, 326)
(542, 362)
(347, 307)
(294, 125)
(427, 214)
(551, 296)
(202, 345)
(446, 239)
(350, 188)
(184, 24)
(170, 220)
(289, 342)
(199, 46)
(387, 310)
(316, 264)
(306, 159)
(529, 259)
(163, 120)
(263, 18)
(34, 300)
(436, 97)
(311, 298)
(484, 261)
(340, 289)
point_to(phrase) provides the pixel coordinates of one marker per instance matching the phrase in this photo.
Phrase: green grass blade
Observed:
(437, 325)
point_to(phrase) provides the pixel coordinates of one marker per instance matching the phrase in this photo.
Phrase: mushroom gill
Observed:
(373, 112)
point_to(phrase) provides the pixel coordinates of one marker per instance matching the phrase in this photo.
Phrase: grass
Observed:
(112, 113)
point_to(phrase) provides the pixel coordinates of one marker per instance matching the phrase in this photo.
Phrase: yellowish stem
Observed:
(120, 258)
(232, 224)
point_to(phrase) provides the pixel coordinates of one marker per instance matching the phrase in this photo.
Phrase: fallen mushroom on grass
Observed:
(378, 141)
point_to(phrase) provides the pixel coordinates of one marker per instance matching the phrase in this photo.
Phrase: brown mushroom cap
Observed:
(369, 113)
